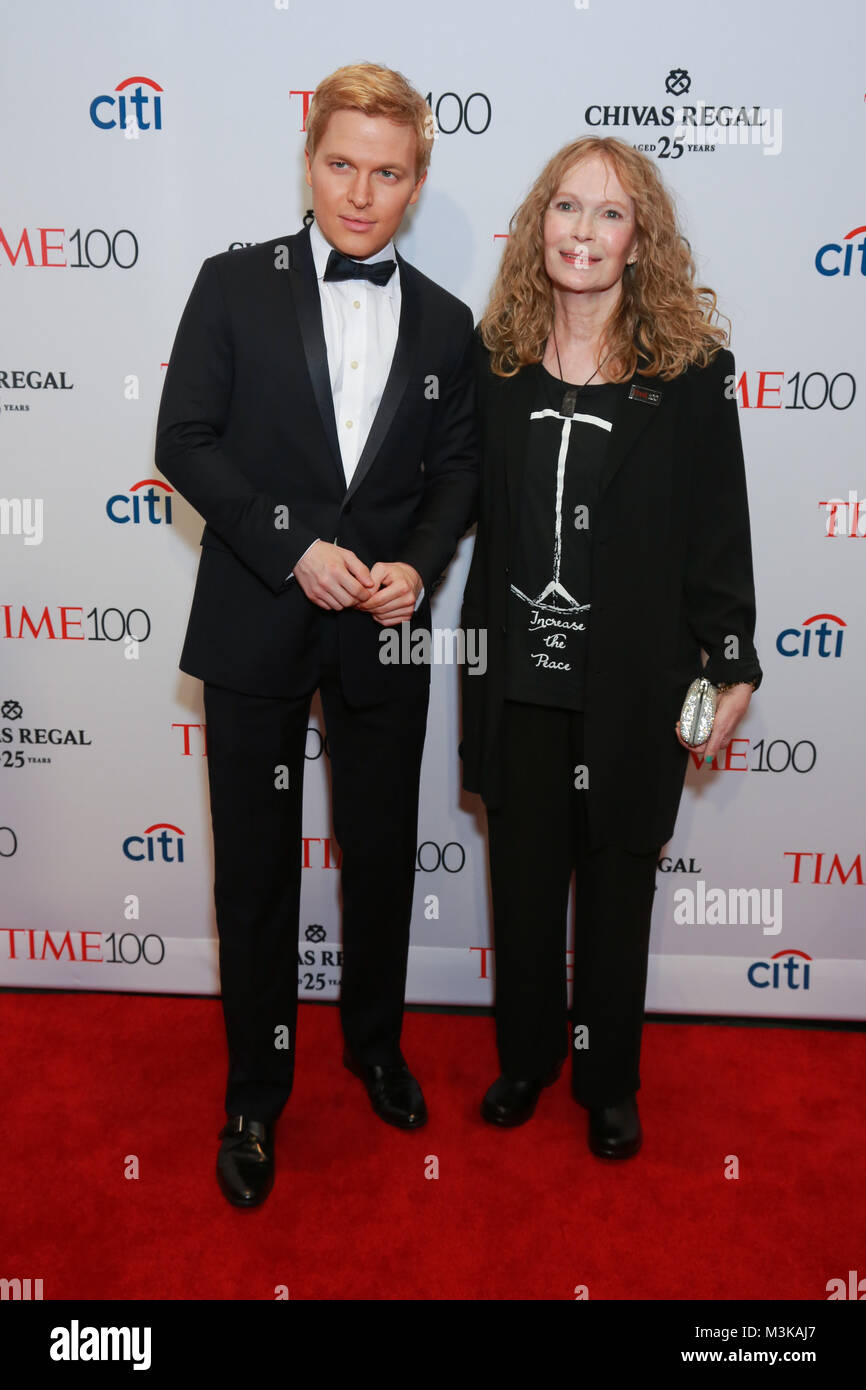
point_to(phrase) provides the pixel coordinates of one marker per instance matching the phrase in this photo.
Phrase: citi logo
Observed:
(136, 506)
(827, 257)
(797, 641)
(787, 969)
(156, 847)
(112, 112)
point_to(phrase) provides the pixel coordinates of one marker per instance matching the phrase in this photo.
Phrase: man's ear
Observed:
(417, 189)
(309, 171)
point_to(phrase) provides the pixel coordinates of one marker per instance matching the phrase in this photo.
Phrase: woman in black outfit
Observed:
(613, 545)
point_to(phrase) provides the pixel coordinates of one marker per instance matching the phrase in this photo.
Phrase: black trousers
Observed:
(537, 837)
(375, 774)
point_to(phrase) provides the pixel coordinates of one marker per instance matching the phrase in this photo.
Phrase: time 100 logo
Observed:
(453, 114)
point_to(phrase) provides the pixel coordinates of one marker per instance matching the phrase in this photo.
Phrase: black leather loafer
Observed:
(509, 1102)
(614, 1130)
(245, 1162)
(394, 1093)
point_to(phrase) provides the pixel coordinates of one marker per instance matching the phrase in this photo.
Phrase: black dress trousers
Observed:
(537, 838)
(375, 774)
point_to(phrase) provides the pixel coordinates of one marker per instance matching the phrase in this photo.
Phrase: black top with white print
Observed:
(550, 570)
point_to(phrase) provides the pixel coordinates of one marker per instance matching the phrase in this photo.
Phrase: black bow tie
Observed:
(342, 267)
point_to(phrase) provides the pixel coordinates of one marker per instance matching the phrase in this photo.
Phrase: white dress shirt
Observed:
(361, 321)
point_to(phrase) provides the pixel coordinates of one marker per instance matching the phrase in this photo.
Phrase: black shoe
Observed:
(245, 1162)
(614, 1130)
(513, 1102)
(394, 1093)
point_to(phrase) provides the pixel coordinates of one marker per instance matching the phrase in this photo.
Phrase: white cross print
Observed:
(554, 588)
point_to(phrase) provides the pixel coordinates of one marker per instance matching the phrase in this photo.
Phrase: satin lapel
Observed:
(305, 293)
(405, 351)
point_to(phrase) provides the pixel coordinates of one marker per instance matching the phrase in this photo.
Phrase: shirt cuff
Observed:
(300, 557)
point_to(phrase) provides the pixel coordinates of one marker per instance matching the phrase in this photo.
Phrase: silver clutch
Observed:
(698, 712)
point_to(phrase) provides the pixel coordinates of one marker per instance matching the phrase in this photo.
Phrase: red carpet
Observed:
(524, 1214)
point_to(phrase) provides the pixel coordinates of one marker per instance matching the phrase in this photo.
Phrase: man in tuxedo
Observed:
(318, 411)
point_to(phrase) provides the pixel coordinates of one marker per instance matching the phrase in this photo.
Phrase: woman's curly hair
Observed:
(663, 318)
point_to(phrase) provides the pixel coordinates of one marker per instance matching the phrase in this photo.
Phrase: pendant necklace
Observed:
(569, 400)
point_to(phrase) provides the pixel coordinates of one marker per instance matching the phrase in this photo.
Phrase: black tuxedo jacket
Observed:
(246, 428)
(671, 574)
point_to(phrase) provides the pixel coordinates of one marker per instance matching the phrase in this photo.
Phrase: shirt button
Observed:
(356, 303)
(348, 424)
(353, 364)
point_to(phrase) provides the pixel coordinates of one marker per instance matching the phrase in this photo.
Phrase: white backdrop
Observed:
(105, 850)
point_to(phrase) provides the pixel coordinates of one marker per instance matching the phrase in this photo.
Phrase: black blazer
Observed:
(671, 573)
(246, 425)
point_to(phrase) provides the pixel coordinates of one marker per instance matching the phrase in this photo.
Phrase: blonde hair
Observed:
(376, 91)
(662, 316)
